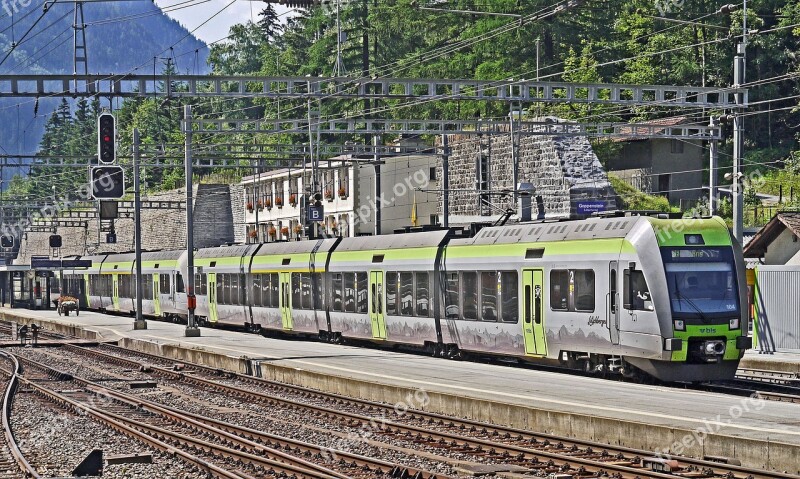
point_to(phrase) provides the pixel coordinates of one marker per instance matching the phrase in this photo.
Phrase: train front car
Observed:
(689, 274)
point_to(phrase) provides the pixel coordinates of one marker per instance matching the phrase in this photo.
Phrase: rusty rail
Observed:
(8, 397)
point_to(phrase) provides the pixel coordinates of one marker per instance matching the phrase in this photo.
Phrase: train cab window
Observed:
(635, 283)
(256, 288)
(336, 291)
(407, 294)
(422, 297)
(584, 290)
(509, 294)
(489, 287)
(179, 286)
(391, 293)
(452, 309)
(297, 298)
(350, 292)
(362, 285)
(559, 290)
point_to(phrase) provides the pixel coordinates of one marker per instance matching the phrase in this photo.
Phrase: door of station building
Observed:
(376, 306)
(286, 299)
(533, 312)
(213, 317)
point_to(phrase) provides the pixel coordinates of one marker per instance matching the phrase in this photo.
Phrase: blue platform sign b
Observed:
(589, 207)
(316, 213)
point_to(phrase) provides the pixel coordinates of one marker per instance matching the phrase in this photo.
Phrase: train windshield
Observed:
(702, 282)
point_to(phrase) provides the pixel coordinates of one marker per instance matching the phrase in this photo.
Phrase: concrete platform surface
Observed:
(588, 402)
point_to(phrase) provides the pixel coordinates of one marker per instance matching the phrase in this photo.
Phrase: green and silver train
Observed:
(633, 295)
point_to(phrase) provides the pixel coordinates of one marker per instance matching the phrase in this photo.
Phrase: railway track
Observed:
(779, 386)
(531, 453)
(246, 452)
(13, 463)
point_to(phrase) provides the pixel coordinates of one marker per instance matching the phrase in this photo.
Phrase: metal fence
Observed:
(777, 309)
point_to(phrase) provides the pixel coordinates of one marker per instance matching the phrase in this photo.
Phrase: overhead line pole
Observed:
(139, 323)
(191, 326)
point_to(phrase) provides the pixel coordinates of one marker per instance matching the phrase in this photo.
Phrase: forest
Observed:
(670, 42)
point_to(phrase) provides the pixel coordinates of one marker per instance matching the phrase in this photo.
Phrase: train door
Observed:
(157, 294)
(213, 317)
(613, 302)
(376, 310)
(533, 312)
(286, 301)
(115, 291)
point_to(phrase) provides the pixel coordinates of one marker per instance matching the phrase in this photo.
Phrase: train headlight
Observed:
(733, 323)
(680, 325)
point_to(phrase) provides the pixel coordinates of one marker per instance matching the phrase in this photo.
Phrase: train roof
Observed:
(224, 251)
(593, 228)
(397, 241)
(296, 247)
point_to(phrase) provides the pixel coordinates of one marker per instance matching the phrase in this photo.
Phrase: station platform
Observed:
(764, 434)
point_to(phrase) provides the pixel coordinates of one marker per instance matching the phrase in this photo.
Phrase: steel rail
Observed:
(292, 465)
(718, 468)
(465, 444)
(8, 397)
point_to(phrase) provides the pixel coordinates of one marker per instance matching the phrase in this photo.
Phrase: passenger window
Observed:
(306, 291)
(275, 286)
(423, 307)
(256, 300)
(470, 295)
(317, 298)
(489, 287)
(349, 292)
(509, 299)
(584, 290)
(297, 298)
(391, 293)
(336, 290)
(559, 290)
(452, 310)
(362, 284)
(407, 294)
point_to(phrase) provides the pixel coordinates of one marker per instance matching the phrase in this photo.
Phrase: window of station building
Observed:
(509, 291)
(584, 290)
(489, 288)
(470, 295)
(362, 292)
(297, 297)
(349, 292)
(336, 291)
(559, 290)
(391, 293)
(406, 296)
(55, 284)
(452, 309)
(422, 297)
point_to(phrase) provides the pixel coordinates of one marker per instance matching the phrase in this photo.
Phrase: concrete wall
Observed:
(563, 170)
(161, 229)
